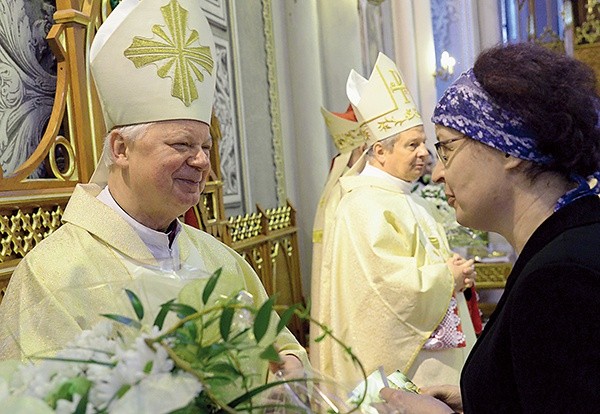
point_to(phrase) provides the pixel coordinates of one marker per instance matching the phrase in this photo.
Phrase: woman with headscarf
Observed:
(519, 145)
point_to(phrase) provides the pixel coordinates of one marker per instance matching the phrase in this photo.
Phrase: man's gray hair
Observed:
(387, 143)
(129, 132)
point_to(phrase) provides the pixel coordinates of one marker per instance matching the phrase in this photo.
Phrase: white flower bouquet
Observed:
(201, 364)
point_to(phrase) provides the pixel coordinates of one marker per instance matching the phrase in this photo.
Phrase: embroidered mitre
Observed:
(383, 104)
(344, 129)
(154, 60)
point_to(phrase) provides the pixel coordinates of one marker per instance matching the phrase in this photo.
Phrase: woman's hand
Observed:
(449, 394)
(402, 402)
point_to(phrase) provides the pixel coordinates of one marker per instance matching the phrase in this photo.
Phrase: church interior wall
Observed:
(254, 94)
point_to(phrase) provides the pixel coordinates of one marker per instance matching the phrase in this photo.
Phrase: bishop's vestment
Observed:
(80, 271)
(385, 285)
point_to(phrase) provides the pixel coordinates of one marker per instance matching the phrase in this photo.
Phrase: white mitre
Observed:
(153, 60)
(383, 105)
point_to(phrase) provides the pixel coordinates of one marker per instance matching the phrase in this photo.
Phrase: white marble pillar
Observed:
(316, 45)
(415, 55)
(490, 31)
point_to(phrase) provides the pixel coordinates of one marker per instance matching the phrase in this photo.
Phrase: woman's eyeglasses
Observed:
(441, 148)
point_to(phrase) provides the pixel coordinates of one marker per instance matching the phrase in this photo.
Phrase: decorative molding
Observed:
(589, 31)
(279, 218)
(21, 231)
(216, 11)
(28, 78)
(274, 101)
(245, 227)
(229, 146)
(492, 275)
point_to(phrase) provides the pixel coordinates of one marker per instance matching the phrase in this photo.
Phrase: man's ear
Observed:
(119, 148)
(379, 152)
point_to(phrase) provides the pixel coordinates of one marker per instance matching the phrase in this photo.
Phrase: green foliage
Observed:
(210, 285)
(67, 390)
(136, 304)
(215, 343)
(226, 320)
(263, 317)
(285, 317)
(123, 320)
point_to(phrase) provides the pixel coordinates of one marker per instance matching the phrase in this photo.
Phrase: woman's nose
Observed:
(437, 175)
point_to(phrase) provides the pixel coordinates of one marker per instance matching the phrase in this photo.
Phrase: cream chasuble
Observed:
(81, 271)
(328, 203)
(385, 285)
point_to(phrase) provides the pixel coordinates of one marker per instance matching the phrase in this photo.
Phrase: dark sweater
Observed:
(540, 350)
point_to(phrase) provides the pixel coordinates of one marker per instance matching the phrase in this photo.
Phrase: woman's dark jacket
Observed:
(540, 350)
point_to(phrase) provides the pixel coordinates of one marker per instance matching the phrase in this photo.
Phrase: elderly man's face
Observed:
(167, 169)
(408, 157)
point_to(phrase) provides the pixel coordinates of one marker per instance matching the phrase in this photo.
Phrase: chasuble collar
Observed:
(163, 246)
(401, 185)
(85, 210)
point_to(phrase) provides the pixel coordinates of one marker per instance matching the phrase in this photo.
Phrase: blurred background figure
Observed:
(351, 143)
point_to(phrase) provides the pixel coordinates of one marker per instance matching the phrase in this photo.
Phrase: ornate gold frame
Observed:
(30, 209)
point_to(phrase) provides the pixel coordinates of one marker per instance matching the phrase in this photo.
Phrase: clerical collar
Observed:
(156, 241)
(370, 171)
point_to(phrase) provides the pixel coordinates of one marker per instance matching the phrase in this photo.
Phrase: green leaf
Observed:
(164, 310)
(148, 367)
(210, 285)
(82, 405)
(212, 351)
(224, 368)
(263, 317)
(124, 320)
(225, 322)
(192, 329)
(136, 303)
(77, 385)
(257, 390)
(181, 309)
(121, 392)
(285, 318)
(270, 354)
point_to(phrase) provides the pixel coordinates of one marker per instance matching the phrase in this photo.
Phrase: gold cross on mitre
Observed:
(183, 54)
(397, 85)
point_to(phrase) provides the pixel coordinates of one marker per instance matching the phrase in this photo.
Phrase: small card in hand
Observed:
(375, 382)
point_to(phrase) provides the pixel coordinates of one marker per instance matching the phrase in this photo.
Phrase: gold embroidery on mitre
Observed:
(396, 109)
(397, 85)
(390, 122)
(350, 139)
(183, 61)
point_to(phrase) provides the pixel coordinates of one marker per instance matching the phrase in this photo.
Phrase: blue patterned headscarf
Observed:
(469, 109)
